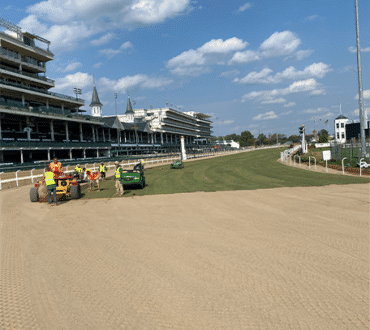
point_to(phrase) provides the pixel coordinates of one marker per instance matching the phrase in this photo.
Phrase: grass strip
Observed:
(242, 171)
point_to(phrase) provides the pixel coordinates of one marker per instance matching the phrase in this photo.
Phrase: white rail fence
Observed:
(286, 154)
(19, 177)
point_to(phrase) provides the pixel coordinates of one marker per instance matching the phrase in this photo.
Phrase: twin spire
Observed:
(95, 103)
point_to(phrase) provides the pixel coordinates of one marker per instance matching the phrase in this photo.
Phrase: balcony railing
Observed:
(40, 90)
(32, 75)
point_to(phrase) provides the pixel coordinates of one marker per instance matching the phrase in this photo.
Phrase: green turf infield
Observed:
(242, 171)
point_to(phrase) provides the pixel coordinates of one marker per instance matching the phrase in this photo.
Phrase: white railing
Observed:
(95, 166)
(286, 154)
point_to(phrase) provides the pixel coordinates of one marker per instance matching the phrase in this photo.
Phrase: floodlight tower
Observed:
(362, 113)
(302, 132)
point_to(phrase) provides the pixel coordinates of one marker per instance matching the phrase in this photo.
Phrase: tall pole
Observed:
(118, 132)
(363, 119)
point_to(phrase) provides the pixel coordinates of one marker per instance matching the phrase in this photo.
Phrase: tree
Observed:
(294, 138)
(322, 132)
(246, 139)
(323, 138)
(261, 139)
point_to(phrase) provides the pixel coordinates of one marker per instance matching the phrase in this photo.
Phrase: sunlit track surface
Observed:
(285, 258)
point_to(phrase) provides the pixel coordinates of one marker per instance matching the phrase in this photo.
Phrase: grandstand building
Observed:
(37, 124)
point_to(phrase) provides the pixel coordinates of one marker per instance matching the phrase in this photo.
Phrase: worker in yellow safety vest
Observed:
(117, 176)
(102, 170)
(51, 185)
(78, 171)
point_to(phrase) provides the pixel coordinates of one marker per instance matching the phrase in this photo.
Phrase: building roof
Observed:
(341, 117)
(112, 122)
(139, 126)
(95, 99)
(129, 107)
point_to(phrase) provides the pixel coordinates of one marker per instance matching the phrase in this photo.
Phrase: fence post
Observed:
(32, 174)
(16, 176)
(361, 166)
(343, 164)
(315, 161)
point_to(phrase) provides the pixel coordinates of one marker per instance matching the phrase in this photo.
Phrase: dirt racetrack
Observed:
(285, 258)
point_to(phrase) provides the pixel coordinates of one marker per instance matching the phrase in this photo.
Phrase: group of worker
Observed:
(93, 178)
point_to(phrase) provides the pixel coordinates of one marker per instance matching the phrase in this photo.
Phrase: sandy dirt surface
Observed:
(285, 258)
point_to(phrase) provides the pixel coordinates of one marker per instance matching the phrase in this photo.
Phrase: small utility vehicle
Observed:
(177, 164)
(134, 177)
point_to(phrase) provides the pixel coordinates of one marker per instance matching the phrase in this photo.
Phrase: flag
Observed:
(326, 122)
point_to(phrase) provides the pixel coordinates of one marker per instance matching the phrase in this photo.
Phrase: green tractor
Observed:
(134, 177)
(177, 164)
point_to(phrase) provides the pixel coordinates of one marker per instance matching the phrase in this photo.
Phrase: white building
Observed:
(167, 125)
(340, 129)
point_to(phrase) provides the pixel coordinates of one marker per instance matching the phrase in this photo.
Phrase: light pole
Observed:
(118, 132)
(77, 91)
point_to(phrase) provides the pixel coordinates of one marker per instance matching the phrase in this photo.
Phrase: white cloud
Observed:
(274, 101)
(79, 79)
(139, 80)
(104, 39)
(365, 95)
(244, 7)
(261, 77)
(98, 65)
(117, 11)
(230, 73)
(280, 43)
(227, 122)
(316, 70)
(91, 17)
(311, 18)
(317, 110)
(287, 113)
(220, 46)
(290, 104)
(244, 57)
(193, 62)
(72, 66)
(110, 52)
(309, 85)
(354, 49)
(265, 116)
(299, 55)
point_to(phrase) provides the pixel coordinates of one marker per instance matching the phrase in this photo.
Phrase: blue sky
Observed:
(265, 66)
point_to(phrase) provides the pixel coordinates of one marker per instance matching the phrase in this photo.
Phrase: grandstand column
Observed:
(141, 135)
(152, 139)
(70, 154)
(81, 133)
(63, 108)
(161, 138)
(84, 153)
(2, 156)
(47, 104)
(21, 156)
(124, 135)
(67, 131)
(93, 133)
(48, 154)
(171, 138)
(52, 129)
(109, 137)
(23, 100)
(103, 134)
(166, 137)
(97, 152)
(0, 130)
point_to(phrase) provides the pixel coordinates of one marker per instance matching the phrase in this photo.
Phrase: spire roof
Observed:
(95, 99)
(129, 107)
